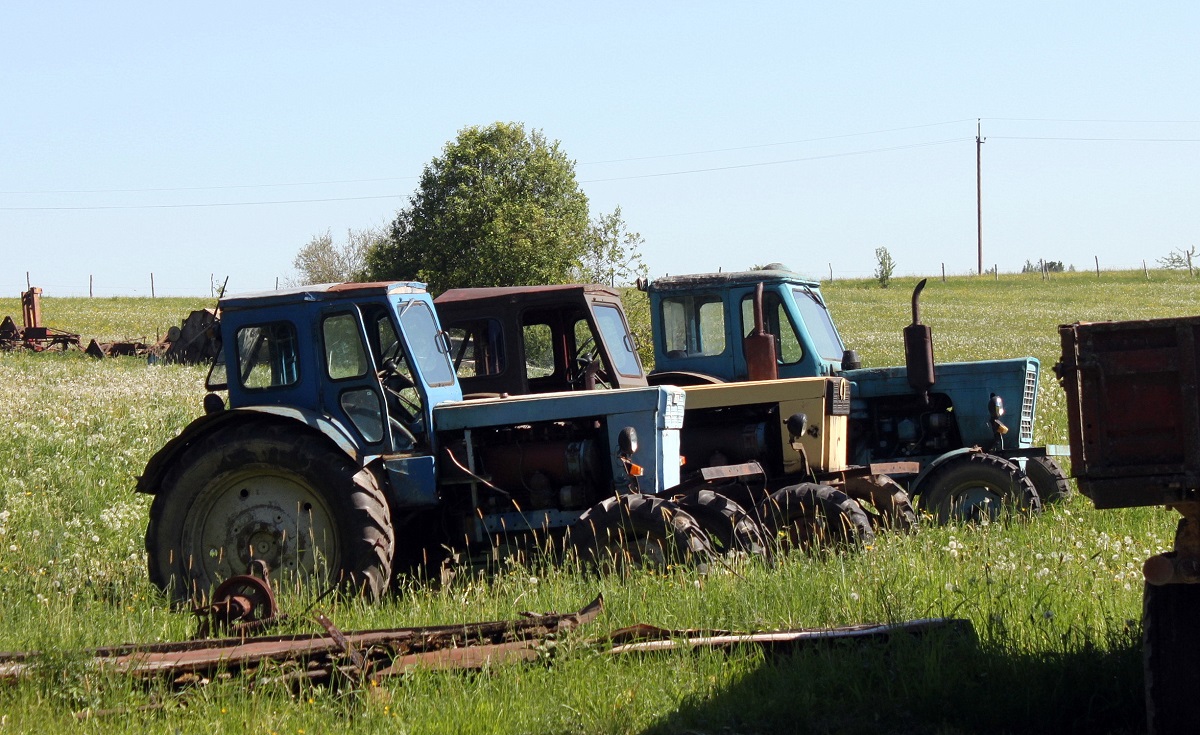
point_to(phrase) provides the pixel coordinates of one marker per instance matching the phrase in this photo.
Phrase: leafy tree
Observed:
(885, 266)
(499, 207)
(613, 252)
(324, 261)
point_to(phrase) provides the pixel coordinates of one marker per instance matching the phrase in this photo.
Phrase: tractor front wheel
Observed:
(638, 530)
(810, 515)
(1048, 478)
(976, 487)
(272, 493)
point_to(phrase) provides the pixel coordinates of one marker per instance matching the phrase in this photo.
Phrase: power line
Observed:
(1074, 120)
(199, 205)
(777, 163)
(214, 187)
(1093, 140)
(396, 196)
(772, 145)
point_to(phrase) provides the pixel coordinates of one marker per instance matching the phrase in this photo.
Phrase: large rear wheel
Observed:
(272, 493)
(977, 487)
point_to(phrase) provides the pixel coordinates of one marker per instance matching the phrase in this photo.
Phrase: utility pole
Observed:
(979, 187)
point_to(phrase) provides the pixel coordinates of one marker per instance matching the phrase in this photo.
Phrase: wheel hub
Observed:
(260, 513)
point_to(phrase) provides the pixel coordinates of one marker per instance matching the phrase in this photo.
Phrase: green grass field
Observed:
(1055, 600)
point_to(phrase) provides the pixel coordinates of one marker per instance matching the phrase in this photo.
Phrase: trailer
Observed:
(1133, 412)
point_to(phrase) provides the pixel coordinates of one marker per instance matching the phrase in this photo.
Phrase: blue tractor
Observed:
(950, 417)
(343, 451)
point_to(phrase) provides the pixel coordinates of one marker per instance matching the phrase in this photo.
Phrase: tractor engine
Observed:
(733, 435)
(903, 426)
(552, 465)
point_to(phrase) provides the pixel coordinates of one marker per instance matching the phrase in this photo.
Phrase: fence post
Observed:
(831, 272)
(1097, 266)
(89, 287)
(151, 285)
(1145, 270)
(996, 272)
(943, 272)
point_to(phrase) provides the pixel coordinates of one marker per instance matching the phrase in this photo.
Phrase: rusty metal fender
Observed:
(161, 462)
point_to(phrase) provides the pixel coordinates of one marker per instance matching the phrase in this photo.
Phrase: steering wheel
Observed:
(587, 364)
(395, 383)
(392, 378)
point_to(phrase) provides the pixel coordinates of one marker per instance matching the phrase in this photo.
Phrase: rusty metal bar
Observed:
(235, 654)
(646, 638)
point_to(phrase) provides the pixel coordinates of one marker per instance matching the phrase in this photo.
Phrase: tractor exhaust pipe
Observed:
(918, 348)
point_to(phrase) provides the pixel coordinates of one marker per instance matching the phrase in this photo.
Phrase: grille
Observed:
(1027, 401)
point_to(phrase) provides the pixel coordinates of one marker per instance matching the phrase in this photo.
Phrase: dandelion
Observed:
(854, 596)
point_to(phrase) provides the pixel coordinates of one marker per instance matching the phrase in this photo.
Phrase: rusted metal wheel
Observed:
(727, 523)
(810, 515)
(638, 530)
(977, 487)
(892, 509)
(1170, 649)
(271, 493)
(1048, 479)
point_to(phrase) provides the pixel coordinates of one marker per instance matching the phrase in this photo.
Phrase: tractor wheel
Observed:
(1170, 649)
(893, 510)
(1048, 479)
(726, 522)
(638, 530)
(809, 515)
(272, 493)
(975, 487)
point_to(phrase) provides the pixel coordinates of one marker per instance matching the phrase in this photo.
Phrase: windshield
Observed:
(427, 345)
(618, 339)
(820, 327)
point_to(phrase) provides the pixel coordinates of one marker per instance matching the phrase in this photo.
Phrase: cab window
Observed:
(345, 353)
(618, 339)
(428, 344)
(788, 348)
(267, 356)
(694, 325)
(477, 348)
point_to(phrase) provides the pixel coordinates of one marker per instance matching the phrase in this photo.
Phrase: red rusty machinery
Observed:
(33, 335)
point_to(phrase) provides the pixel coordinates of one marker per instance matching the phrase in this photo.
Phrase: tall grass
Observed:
(1055, 600)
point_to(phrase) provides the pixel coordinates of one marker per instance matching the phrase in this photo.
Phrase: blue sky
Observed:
(216, 139)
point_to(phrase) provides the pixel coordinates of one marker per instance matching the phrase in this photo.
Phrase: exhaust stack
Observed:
(918, 348)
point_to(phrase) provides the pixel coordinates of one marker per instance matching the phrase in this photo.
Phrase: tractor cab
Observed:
(752, 325)
(539, 339)
(369, 357)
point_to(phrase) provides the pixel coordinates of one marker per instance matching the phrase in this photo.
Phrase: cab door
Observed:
(350, 389)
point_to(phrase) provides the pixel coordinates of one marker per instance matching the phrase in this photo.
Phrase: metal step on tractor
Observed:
(518, 341)
(342, 452)
(754, 349)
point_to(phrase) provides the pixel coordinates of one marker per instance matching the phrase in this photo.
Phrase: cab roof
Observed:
(523, 293)
(732, 278)
(320, 292)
